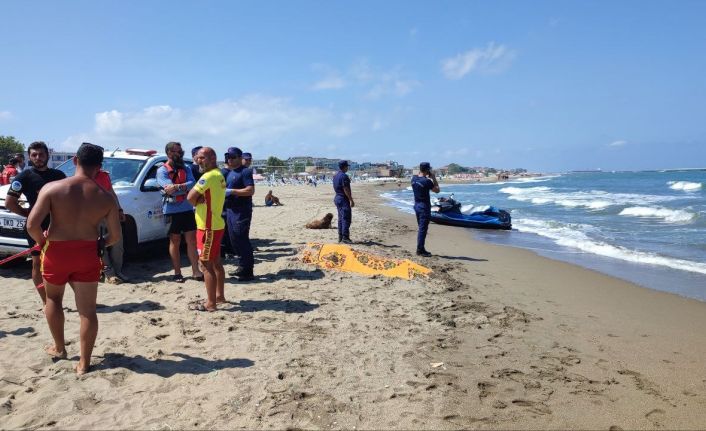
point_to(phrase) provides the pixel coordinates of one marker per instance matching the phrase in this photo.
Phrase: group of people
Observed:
(14, 166)
(422, 183)
(67, 219)
(209, 207)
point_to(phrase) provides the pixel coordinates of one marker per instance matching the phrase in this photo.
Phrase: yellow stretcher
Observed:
(343, 258)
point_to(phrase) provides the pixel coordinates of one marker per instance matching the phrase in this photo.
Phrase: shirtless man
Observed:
(77, 206)
(208, 196)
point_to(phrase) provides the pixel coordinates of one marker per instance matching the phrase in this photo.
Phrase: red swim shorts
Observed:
(208, 244)
(64, 261)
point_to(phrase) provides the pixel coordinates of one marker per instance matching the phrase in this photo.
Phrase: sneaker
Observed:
(423, 253)
(178, 278)
(346, 241)
(123, 278)
(237, 273)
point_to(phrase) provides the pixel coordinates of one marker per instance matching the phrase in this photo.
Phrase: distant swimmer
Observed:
(422, 184)
(71, 249)
(208, 196)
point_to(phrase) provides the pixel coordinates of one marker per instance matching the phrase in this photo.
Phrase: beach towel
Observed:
(343, 258)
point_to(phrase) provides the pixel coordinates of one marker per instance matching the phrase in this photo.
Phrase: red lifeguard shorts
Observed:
(208, 243)
(64, 261)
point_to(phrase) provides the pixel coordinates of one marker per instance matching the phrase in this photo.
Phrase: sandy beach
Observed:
(496, 338)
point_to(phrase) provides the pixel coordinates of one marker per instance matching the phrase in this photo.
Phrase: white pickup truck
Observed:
(133, 173)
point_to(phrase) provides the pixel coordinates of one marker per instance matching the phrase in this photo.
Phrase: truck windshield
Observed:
(123, 172)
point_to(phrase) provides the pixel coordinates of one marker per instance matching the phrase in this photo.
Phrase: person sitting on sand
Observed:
(71, 248)
(271, 199)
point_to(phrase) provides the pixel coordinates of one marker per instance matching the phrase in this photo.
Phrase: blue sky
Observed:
(549, 86)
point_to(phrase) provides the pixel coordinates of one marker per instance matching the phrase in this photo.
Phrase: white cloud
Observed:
(375, 84)
(259, 123)
(493, 58)
(617, 143)
(5, 115)
(330, 83)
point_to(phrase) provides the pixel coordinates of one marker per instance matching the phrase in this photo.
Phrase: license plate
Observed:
(12, 223)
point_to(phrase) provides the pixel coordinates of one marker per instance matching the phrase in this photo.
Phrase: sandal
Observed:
(178, 278)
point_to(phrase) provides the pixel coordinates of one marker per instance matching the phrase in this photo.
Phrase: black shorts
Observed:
(182, 222)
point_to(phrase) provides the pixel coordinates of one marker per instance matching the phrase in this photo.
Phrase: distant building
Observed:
(58, 157)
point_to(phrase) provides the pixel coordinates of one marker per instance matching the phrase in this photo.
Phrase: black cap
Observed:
(424, 167)
(342, 164)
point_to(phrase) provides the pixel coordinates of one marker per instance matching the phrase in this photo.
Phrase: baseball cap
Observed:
(424, 166)
(233, 152)
(247, 156)
(342, 164)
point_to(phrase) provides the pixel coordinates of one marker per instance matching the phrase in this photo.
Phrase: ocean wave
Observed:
(684, 186)
(574, 236)
(395, 198)
(593, 199)
(668, 215)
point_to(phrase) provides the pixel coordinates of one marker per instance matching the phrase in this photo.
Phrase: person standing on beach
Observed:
(29, 182)
(113, 255)
(240, 188)
(208, 196)
(422, 184)
(70, 250)
(343, 201)
(247, 160)
(195, 170)
(176, 180)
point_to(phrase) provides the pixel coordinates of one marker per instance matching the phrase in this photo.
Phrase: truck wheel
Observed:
(130, 236)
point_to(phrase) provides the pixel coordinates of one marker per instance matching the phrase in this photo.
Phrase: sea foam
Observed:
(593, 199)
(668, 215)
(684, 186)
(574, 236)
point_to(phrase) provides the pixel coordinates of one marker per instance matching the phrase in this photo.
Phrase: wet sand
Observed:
(498, 338)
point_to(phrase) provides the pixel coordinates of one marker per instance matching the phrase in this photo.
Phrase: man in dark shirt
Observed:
(343, 201)
(240, 187)
(29, 182)
(422, 183)
(194, 166)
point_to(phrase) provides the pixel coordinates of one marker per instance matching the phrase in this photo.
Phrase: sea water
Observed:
(644, 227)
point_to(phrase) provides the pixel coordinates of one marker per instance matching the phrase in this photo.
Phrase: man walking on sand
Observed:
(29, 182)
(208, 196)
(344, 202)
(70, 250)
(422, 183)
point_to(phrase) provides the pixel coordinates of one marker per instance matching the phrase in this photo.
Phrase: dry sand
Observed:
(499, 338)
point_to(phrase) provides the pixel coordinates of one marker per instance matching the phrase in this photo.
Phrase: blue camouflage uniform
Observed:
(422, 207)
(345, 213)
(239, 216)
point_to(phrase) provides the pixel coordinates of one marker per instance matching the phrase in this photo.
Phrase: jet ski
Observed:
(448, 211)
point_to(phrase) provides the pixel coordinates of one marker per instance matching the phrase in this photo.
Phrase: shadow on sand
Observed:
(130, 307)
(286, 306)
(18, 331)
(169, 367)
(468, 259)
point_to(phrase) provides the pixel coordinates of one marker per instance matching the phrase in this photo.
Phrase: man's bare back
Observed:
(77, 206)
